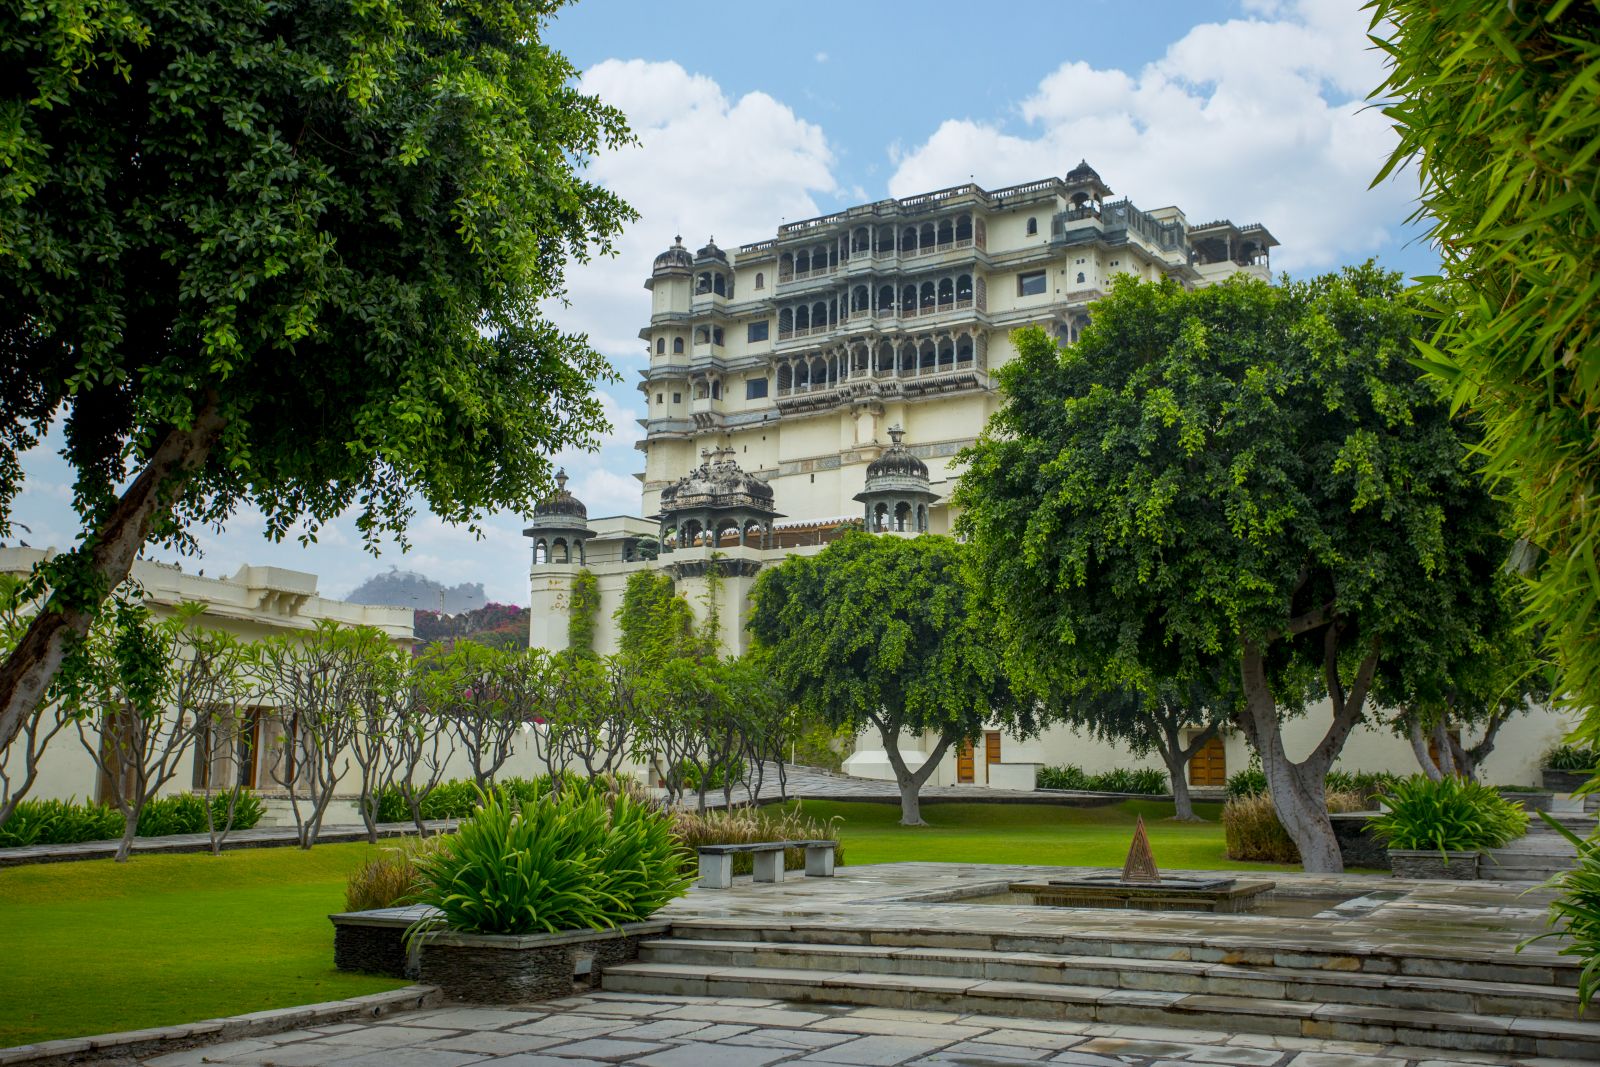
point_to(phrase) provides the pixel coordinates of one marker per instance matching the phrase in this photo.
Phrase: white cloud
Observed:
(1257, 119)
(705, 165)
(821, 57)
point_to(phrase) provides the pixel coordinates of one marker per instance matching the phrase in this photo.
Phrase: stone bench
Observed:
(716, 861)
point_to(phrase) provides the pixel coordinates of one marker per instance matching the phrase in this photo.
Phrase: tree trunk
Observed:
(1441, 742)
(1176, 756)
(1419, 748)
(1298, 789)
(109, 551)
(1182, 805)
(909, 781)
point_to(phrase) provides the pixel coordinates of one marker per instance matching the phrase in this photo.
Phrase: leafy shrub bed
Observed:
(1450, 815)
(581, 858)
(458, 798)
(1368, 784)
(1145, 781)
(1571, 758)
(65, 822)
(1252, 830)
(743, 826)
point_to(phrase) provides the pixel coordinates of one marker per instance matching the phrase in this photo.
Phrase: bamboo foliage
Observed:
(1496, 108)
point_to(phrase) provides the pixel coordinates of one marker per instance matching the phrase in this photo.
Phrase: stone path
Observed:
(257, 837)
(673, 1031)
(812, 783)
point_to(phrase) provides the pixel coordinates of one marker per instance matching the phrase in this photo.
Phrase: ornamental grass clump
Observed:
(573, 860)
(1251, 828)
(390, 879)
(1449, 815)
(744, 826)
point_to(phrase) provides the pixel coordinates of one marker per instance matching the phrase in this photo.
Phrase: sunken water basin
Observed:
(1227, 896)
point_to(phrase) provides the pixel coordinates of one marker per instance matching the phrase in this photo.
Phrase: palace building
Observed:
(829, 375)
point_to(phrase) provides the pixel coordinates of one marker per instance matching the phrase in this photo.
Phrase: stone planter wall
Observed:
(489, 969)
(484, 967)
(1358, 845)
(1564, 781)
(1530, 801)
(1430, 863)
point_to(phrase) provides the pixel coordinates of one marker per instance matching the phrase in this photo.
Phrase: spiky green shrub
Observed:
(185, 813)
(580, 858)
(1146, 781)
(1571, 758)
(1576, 913)
(1450, 815)
(59, 822)
(1250, 782)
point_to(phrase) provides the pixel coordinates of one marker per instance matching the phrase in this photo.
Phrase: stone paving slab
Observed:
(667, 1031)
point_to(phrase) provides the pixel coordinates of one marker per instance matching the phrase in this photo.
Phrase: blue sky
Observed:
(750, 114)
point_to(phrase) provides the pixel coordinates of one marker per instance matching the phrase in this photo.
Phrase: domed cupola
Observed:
(711, 252)
(559, 527)
(897, 495)
(715, 497)
(674, 259)
(1084, 185)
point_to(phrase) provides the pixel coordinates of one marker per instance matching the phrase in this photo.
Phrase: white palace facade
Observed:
(832, 373)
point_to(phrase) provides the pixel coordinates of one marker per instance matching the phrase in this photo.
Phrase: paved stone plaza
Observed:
(668, 1031)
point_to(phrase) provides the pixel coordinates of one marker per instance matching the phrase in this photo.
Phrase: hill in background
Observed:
(408, 589)
(497, 625)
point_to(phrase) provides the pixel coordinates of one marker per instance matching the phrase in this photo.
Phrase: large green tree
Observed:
(1247, 478)
(885, 632)
(1497, 106)
(287, 255)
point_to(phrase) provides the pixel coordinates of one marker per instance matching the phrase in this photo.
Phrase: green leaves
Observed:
(567, 861)
(1204, 467)
(336, 222)
(1496, 107)
(882, 626)
(1451, 815)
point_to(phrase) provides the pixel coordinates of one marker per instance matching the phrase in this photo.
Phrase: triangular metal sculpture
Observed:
(1141, 865)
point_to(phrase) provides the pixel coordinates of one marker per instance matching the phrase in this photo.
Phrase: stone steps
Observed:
(1251, 945)
(1422, 1028)
(1412, 992)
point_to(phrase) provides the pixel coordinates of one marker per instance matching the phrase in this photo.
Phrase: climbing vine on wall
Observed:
(585, 605)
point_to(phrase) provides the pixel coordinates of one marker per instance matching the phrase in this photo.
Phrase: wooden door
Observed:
(1209, 766)
(991, 752)
(964, 774)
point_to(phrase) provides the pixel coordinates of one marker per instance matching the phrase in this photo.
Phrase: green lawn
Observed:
(1031, 833)
(97, 947)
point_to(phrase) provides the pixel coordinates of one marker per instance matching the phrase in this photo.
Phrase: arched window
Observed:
(718, 285)
(886, 298)
(1033, 227)
(963, 227)
(1080, 277)
(902, 516)
(761, 280)
(559, 552)
(716, 390)
(702, 284)
(928, 299)
(947, 232)
(677, 346)
(802, 262)
(785, 321)
(661, 346)
(880, 518)
(947, 292)
(802, 317)
(785, 377)
(701, 335)
(716, 335)
(541, 552)
(908, 298)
